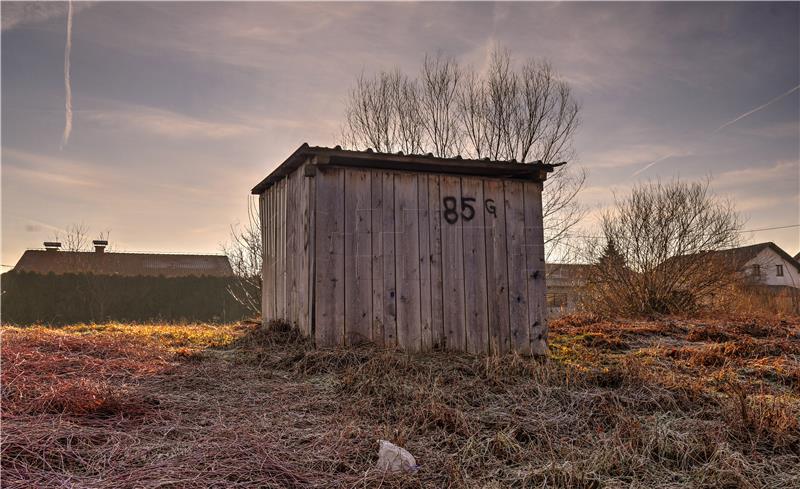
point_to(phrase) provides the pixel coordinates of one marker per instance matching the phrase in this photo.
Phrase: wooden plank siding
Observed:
(357, 256)
(407, 261)
(517, 277)
(534, 251)
(425, 292)
(302, 249)
(437, 286)
(389, 261)
(417, 261)
(290, 218)
(496, 267)
(329, 286)
(474, 235)
(376, 251)
(452, 264)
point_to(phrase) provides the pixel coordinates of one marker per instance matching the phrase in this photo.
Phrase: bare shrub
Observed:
(657, 253)
(245, 253)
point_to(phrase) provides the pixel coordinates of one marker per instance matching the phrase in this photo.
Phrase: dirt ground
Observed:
(670, 403)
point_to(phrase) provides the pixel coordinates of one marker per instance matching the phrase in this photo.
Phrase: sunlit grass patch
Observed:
(171, 336)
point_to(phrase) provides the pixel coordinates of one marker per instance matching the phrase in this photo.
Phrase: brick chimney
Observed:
(100, 245)
(52, 245)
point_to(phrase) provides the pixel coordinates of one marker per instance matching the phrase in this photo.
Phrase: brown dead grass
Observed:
(670, 403)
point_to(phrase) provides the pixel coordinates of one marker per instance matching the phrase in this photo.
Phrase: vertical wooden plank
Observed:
(312, 254)
(389, 262)
(281, 249)
(284, 269)
(278, 252)
(475, 296)
(407, 249)
(329, 247)
(291, 247)
(273, 229)
(452, 264)
(425, 315)
(496, 266)
(378, 235)
(262, 217)
(517, 276)
(304, 247)
(435, 224)
(534, 251)
(269, 261)
(358, 257)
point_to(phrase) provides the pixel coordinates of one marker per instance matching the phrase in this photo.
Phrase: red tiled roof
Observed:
(124, 264)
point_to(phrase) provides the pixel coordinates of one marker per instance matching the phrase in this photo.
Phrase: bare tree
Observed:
(524, 114)
(245, 253)
(659, 255)
(74, 238)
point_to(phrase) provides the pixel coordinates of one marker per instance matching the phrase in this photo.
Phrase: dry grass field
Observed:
(671, 403)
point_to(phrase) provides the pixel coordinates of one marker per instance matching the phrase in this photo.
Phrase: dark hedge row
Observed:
(61, 299)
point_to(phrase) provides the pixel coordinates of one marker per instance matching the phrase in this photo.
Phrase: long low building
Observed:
(55, 287)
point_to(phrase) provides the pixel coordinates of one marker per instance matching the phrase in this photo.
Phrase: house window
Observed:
(779, 270)
(757, 271)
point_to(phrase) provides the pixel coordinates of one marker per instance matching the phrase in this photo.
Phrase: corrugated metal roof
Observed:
(124, 264)
(535, 170)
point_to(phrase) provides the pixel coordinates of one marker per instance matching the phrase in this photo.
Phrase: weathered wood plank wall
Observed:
(286, 229)
(414, 260)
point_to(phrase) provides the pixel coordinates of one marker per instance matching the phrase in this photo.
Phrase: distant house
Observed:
(56, 287)
(100, 262)
(564, 286)
(764, 264)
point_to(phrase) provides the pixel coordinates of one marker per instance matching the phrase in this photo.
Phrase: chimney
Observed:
(100, 245)
(52, 245)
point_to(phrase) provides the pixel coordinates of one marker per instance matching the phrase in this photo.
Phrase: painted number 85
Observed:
(467, 211)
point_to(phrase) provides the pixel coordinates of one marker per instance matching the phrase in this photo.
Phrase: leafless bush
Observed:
(518, 113)
(245, 253)
(657, 253)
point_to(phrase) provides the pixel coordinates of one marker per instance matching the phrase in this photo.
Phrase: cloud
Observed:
(633, 154)
(761, 202)
(781, 171)
(24, 13)
(40, 169)
(166, 123)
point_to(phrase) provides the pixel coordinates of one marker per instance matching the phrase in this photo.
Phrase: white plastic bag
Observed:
(392, 458)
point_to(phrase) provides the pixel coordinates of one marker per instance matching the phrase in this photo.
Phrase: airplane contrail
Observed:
(67, 81)
(640, 170)
(784, 94)
(732, 121)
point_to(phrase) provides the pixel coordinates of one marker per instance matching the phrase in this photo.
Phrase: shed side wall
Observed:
(286, 233)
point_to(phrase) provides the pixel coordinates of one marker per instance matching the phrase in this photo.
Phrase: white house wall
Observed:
(769, 260)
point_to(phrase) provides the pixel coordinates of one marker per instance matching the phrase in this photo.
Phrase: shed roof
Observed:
(337, 156)
(124, 264)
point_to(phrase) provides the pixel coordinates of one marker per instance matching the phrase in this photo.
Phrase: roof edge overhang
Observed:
(318, 156)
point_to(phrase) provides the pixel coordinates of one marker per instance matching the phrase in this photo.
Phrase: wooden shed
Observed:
(407, 251)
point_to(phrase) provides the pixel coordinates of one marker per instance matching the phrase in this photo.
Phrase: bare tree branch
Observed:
(245, 253)
(521, 114)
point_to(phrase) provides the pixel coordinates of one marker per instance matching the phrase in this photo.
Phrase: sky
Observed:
(179, 109)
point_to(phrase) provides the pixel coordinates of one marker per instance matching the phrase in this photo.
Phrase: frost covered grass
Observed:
(668, 403)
